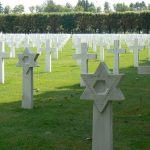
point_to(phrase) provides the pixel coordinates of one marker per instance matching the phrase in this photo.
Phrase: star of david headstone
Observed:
(102, 87)
(27, 60)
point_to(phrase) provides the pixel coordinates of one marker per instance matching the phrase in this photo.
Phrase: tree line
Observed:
(116, 22)
(81, 6)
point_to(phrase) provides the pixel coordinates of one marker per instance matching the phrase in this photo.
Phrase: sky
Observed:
(28, 3)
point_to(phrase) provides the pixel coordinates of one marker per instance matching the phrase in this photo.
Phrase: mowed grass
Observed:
(59, 119)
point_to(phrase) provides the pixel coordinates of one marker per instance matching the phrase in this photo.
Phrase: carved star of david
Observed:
(27, 60)
(102, 87)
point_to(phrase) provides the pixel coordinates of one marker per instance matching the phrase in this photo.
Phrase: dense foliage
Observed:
(76, 22)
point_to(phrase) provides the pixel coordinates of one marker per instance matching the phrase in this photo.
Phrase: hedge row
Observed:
(76, 22)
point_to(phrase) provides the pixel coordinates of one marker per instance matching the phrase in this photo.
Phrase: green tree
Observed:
(138, 6)
(88, 7)
(39, 8)
(79, 8)
(7, 9)
(32, 9)
(1, 8)
(120, 7)
(50, 6)
(18, 9)
(107, 7)
(131, 7)
(143, 5)
(98, 9)
(148, 7)
(69, 6)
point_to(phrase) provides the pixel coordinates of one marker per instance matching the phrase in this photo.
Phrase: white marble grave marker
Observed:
(27, 60)
(117, 51)
(84, 56)
(48, 50)
(38, 44)
(56, 53)
(102, 57)
(136, 48)
(102, 44)
(3, 55)
(102, 87)
(13, 45)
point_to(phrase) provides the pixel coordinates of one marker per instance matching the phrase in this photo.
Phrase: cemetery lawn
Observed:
(59, 119)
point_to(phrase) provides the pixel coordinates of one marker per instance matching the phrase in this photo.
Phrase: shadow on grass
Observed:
(60, 120)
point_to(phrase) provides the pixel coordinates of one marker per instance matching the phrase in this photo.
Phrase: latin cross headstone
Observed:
(117, 51)
(27, 60)
(37, 43)
(102, 57)
(136, 48)
(26, 42)
(102, 87)
(13, 44)
(3, 55)
(94, 45)
(84, 56)
(102, 44)
(48, 50)
(56, 53)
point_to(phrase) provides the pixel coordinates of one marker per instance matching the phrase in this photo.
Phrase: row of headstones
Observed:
(95, 40)
(83, 56)
(34, 40)
(102, 41)
(21, 40)
(102, 88)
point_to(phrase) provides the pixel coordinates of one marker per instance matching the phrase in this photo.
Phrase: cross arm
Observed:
(92, 56)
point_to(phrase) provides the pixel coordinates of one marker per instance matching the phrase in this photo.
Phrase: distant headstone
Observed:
(117, 51)
(13, 45)
(94, 45)
(102, 87)
(3, 55)
(136, 48)
(56, 53)
(38, 44)
(84, 56)
(102, 57)
(27, 60)
(48, 50)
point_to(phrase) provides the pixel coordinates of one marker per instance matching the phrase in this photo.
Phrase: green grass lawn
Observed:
(59, 119)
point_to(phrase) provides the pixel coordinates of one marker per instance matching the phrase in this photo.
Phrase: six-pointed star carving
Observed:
(27, 60)
(102, 87)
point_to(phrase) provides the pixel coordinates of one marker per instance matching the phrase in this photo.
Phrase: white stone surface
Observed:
(27, 60)
(102, 54)
(116, 51)
(48, 60)
(102, 87)
(84, 56)
(136, 48)
(3, 55)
